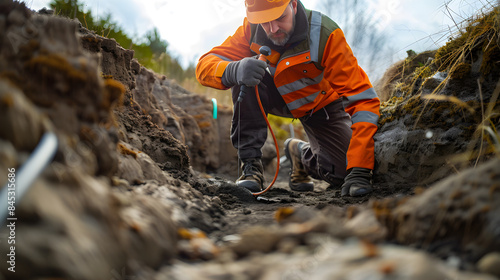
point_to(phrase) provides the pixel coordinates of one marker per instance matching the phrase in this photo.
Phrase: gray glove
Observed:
(358, 182)
(248, 71)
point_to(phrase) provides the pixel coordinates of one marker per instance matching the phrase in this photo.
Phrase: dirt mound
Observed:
(440, 108)
(110, 200)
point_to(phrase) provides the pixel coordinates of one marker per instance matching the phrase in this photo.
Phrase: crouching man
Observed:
(312, 76)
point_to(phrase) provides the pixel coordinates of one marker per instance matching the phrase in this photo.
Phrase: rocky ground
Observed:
(141, 183)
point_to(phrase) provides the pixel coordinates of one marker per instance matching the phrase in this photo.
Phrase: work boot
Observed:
(299, 179)
(252, 177)
(358, 182)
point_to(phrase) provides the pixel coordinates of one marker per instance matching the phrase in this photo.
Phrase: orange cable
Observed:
(275, 144)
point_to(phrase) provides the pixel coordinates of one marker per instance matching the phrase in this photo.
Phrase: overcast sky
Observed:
(192, 27)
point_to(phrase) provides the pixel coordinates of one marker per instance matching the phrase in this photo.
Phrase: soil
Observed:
(243, 210)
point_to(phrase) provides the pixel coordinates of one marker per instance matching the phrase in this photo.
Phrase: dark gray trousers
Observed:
(328, 130)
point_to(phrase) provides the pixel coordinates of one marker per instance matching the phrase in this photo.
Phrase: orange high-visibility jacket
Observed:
(309, 76)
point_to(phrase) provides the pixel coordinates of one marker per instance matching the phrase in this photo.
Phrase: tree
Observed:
(74, 10)
(157, 45)
(104, 27)
(151, 53)
(360, 26)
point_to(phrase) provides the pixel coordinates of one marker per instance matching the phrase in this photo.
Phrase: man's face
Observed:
(280, 29)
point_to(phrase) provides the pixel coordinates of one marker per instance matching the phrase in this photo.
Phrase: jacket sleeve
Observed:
(360, 99)
(211, 65)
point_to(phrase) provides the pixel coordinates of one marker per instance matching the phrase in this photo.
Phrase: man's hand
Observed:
(358, 182)
(248, 71)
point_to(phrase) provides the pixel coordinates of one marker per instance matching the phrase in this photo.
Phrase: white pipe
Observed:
(27, 174)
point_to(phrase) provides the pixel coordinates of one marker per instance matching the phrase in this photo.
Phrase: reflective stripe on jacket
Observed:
(309, 75)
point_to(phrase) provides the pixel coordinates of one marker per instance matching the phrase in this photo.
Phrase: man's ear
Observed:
(294, 6)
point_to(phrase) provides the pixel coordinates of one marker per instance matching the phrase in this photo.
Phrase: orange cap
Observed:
(260, 11)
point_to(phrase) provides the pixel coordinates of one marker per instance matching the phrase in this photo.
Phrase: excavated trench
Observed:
(141, 185)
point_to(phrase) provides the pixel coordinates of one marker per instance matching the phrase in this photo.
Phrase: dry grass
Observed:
(471, 55)
(480, 32)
